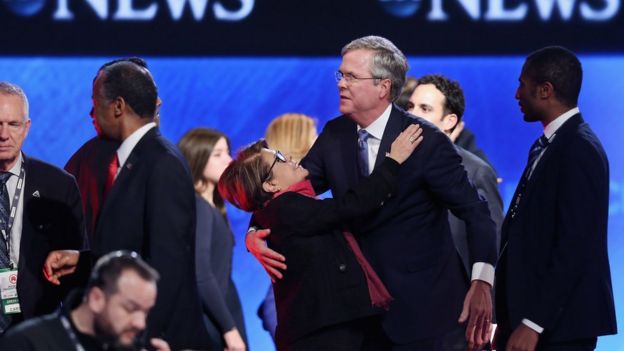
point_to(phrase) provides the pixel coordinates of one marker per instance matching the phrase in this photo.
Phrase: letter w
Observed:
(545, 8)
(198, 8)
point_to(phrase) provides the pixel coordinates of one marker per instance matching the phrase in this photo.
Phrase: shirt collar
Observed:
(17, 167)
(128, 145)
(552, 127)
(376, 129)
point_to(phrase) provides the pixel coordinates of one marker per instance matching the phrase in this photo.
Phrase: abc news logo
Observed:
(477, 10)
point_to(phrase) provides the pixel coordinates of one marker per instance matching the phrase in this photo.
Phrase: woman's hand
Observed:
(403, 146)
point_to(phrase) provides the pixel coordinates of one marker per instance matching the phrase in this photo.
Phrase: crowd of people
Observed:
(130, 247)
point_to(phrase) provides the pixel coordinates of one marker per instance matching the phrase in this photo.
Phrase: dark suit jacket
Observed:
(324, 283)
(151, 210)
(408, 240)
(554, 267)
(52, 220)
(483, 178)
(90, 167)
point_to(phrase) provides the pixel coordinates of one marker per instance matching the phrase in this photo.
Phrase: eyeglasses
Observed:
(349, 77)
(278, 157)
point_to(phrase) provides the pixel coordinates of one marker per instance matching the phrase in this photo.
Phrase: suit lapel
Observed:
(125, 173)
(30, 186)
(393, 129)
(348, 151)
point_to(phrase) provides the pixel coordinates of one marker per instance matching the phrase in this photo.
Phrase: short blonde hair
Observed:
(292, 133)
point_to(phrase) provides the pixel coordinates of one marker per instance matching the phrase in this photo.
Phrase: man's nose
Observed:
(4, 132)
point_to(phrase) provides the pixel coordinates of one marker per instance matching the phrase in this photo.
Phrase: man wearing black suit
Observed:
(553, 281)
(408, 240)
(440, 101)
(150, 207)
(47, 213)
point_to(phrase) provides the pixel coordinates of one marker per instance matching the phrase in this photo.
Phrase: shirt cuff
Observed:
(483, 271)
(533, 326)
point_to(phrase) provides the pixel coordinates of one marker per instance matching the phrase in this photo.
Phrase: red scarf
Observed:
(379, 295)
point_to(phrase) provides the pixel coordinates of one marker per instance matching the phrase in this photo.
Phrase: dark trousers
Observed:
(348, 336)
(587, 344)
(376, 340)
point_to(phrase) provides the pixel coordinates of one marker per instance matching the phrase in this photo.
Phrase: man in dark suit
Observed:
(440, 101)
(47, 214)
(408, 240)
(553, 281)
(150, 207)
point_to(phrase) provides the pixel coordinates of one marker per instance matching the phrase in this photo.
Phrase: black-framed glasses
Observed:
(350, 77)
(278, 157)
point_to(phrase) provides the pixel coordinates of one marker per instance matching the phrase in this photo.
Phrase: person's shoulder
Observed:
(32, 328)
(45, 170)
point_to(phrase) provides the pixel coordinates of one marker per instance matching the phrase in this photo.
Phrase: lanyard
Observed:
(16, 198)
(70, 333)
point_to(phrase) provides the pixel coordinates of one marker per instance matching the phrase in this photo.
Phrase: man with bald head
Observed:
(149, 204)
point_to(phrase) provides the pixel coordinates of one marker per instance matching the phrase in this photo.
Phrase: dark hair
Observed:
(109, 268)
(408, 88)
(197, 146)
(560, 67)
(131, 80)
(241, 182)
(452, 91)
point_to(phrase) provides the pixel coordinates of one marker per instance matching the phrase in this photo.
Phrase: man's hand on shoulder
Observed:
(271, 261)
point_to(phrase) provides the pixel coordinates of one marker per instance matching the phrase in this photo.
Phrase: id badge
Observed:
(8, 291)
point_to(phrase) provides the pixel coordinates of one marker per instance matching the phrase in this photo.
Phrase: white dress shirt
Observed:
(131, 141)
(480, 270)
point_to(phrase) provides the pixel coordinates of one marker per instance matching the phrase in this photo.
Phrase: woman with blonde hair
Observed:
(208, 154)
(292, 133)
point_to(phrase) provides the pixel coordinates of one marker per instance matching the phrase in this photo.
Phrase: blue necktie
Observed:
(363, 152)
(5, 212)
(5, 260)
(536, 149)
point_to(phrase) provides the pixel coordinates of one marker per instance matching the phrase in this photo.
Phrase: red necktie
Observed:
(113, 168)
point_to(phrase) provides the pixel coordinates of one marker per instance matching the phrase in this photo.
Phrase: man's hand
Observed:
(159, 344)
(234, 341)
(60, 263)
(457, 131)
(270, 260)
(522, 339)
(478, 311)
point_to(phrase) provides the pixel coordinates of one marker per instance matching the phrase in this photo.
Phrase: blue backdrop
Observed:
(241, 95)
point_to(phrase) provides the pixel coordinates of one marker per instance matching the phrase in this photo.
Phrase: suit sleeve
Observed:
(210, 295)
(486, 182)
(447, 180)
(582, 208)
(311, 217)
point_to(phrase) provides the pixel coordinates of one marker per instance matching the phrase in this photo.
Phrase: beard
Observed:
(106, 334)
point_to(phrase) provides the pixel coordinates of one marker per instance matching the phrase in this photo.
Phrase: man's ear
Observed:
(449, 122)
(270, 186)
(545, 90)
(386, 88)
(119, 105)
(96, 299)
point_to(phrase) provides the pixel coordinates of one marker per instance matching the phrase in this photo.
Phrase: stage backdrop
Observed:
(239, 96)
